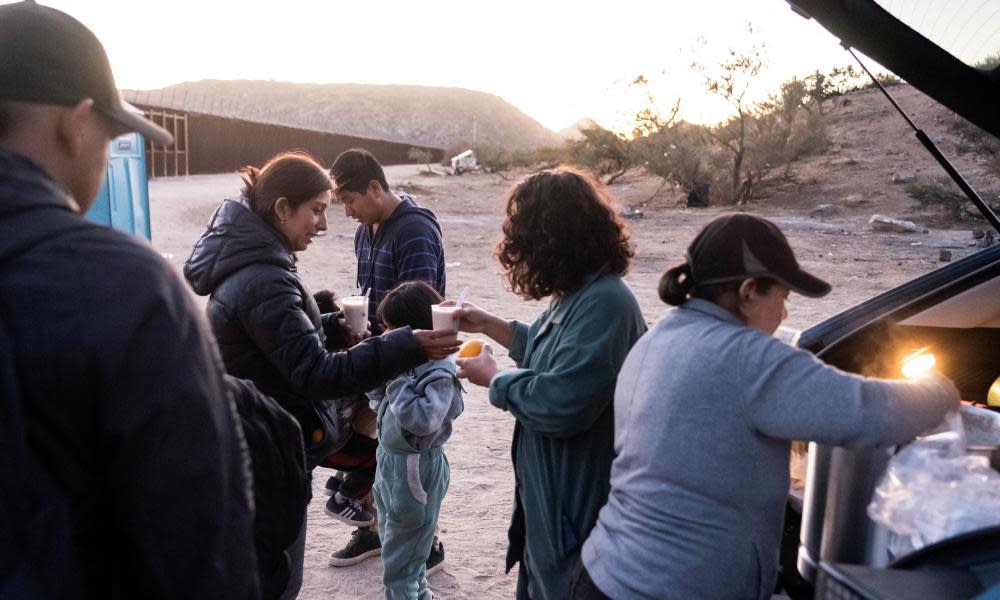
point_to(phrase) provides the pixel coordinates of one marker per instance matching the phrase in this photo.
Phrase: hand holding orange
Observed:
(470, 348)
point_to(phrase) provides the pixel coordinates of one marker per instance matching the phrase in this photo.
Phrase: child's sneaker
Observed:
(435, 560)
(348, 511)
(363, 544)
(333, 485)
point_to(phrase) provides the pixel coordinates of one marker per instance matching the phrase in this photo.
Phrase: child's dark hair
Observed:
(409, 303)
(326, 300)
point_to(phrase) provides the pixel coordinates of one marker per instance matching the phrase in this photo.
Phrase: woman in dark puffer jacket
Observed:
(267, 324)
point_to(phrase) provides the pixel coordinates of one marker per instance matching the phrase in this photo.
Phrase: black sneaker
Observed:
(333, 485)
(348, 511)
(435, 560)
(363, 544)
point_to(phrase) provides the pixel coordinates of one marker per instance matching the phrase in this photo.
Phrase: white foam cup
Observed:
(444, 318)
(356, 312)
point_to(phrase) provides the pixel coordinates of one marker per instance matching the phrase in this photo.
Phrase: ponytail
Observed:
(676, 284)
(249, 175)
(295, 176)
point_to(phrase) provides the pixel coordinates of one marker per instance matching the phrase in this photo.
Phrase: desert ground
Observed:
(838, 245)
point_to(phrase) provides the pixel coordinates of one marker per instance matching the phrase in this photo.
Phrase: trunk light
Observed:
(917, 364)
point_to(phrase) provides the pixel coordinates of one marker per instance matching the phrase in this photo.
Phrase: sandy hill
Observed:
(427, 116)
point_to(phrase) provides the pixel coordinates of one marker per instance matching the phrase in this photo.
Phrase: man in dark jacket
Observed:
(125, 473)
(396, 240)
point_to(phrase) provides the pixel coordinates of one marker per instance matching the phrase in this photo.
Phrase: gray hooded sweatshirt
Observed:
(424, 402)
(705, 409)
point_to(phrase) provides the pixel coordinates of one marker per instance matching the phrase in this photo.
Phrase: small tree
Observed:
(677, 154)
(602, 151)
(493, 158)
(731, 81)
(821, 87)
(784, 127)
(649, 119)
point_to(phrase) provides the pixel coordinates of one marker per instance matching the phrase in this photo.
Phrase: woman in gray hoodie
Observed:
(706, 406)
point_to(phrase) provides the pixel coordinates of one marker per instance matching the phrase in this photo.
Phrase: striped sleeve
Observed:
(419, 254)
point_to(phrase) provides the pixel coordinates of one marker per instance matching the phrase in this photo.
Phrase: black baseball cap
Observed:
(739, 246)
(48, 57)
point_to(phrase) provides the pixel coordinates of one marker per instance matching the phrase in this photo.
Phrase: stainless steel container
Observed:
(835, 523)
(839, 487)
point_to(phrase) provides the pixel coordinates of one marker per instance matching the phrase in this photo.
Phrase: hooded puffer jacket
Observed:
(268, 326)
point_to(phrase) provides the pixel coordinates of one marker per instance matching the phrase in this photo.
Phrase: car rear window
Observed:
(966, 29)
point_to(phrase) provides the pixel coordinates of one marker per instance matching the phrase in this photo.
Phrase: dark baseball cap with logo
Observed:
(48, 57)
(740, 246)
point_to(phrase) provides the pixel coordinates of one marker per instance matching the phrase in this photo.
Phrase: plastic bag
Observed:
(933, 490)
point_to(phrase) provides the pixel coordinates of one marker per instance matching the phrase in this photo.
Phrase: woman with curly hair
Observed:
(563, 241)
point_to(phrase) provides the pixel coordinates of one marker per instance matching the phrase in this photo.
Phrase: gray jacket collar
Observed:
(711, 309)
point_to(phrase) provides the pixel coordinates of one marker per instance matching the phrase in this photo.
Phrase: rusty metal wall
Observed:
(222, 144)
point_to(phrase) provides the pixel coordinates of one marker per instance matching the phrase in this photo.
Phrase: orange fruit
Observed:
(470, 348)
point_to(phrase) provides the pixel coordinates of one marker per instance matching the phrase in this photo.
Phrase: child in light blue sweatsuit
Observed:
(415, 411)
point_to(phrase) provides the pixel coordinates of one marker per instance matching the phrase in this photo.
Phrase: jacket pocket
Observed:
(413, 478)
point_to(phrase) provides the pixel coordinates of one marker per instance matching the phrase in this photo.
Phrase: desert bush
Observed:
(421, 156)
(676, 153)
(939, 193)
(494, 159)
(989, 62)
(972, 139)
(602, 151)
(784, 128)
(547, 157)
(839, 81)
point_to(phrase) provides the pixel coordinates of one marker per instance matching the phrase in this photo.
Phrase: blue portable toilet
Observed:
(123, 201)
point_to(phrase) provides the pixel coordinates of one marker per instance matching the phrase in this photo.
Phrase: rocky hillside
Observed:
(426, 116)
(873, 157)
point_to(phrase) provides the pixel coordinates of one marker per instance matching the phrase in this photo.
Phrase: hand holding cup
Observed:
(353, 337)
(437, 344)
(471, 318)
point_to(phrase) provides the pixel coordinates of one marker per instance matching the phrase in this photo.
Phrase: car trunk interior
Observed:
(952, 313)
(955, 316)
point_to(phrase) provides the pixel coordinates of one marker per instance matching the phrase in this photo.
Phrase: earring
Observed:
(282, 219)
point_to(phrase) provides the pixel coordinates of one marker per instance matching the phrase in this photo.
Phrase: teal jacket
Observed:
(561, 394)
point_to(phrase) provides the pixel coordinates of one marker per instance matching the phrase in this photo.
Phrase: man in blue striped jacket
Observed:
(396, 240)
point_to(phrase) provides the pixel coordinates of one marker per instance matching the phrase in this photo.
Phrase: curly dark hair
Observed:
(560, 228)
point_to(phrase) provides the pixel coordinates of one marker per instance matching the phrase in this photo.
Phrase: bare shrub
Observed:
(973, 140)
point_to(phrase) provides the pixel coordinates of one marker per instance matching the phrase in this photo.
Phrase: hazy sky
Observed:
(557, 61)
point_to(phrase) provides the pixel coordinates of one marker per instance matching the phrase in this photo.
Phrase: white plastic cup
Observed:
(356, 312)
(444, 318)
(789, 335)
